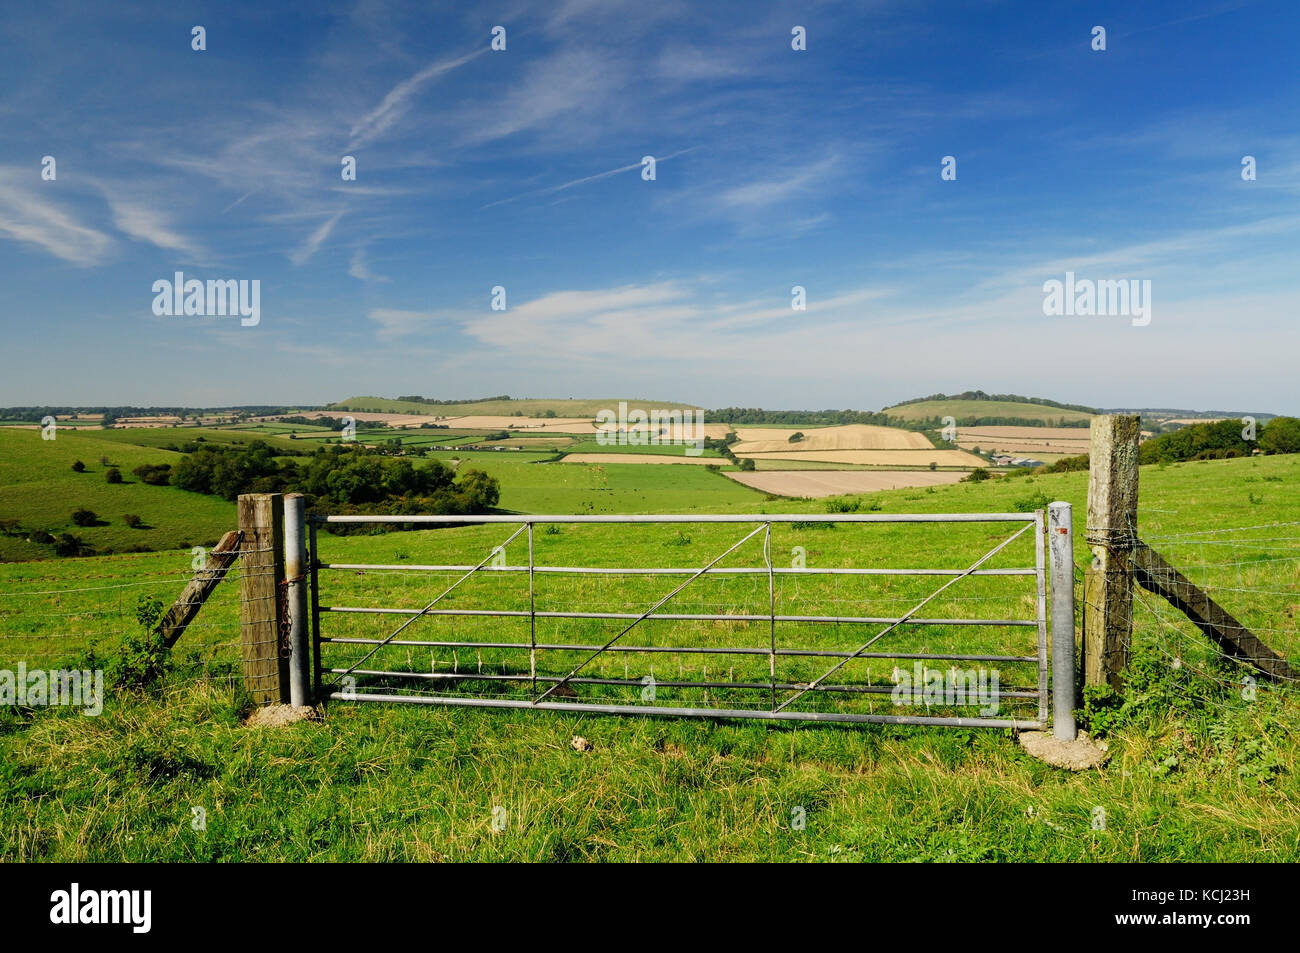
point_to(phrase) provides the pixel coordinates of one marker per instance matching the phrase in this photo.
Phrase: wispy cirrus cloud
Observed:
(37, 220)
(149, 225)
(570, 83)
(359, 268)
(397, 101)
(586, 179)
(307, 249)
(762, 192)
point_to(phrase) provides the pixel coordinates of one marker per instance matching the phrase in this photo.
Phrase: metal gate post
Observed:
(1060, 525)
(313, 557)
(295, 562)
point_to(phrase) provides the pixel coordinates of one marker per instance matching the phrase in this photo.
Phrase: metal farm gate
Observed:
(631, 615)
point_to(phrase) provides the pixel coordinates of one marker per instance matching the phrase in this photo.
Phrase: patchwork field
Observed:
(1068, 441)
(851, 437)
(885, 458)
(818, 483)
(585, 409)
(527, 424)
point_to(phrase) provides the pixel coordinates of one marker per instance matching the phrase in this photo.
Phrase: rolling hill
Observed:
(971, 412)
(531, 407)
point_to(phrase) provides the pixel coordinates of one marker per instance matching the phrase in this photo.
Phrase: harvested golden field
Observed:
(883, 458)
(613, 458)
(526, 424)
(849, 437)
(817, 483)
(1025, 440)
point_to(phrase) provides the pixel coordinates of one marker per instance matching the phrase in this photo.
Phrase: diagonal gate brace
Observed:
(905, 616)
(644, 615)
(398, 631)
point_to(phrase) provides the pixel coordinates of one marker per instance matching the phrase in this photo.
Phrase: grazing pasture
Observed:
(819, 483)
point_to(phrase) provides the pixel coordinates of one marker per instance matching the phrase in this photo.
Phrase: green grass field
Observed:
(39, 488)
(666, 449)
(1197, 771)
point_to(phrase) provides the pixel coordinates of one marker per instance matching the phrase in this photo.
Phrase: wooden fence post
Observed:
(1111, 533)
(261, 609)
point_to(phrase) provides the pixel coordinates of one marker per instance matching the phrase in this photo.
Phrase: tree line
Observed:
(1220, 440)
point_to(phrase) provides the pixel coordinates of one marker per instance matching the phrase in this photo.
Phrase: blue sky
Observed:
(820, 168)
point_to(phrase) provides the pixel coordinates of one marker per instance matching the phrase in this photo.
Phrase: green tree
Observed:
(1280, 435)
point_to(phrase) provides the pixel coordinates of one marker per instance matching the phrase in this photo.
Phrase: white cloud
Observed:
(394, 323)
(309, 248)
(148, 225)
(36, 220)
(359, 268)
(769, 191)
(395, 104)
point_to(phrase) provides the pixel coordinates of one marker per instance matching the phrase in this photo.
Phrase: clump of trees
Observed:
(349, 478)
(154, 474)
(1221, 440)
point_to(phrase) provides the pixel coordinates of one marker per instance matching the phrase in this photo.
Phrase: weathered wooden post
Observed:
(1111, 534)
(261, 608)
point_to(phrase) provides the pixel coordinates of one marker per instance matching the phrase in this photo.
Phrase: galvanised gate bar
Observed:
(537, 646)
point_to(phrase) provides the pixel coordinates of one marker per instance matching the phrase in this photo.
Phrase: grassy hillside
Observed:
(529, 408)
(967, 410)
(39, 488)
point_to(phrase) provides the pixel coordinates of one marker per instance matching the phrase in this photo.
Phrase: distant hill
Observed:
(1172, 418)
(975, 408)
(502, 406)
